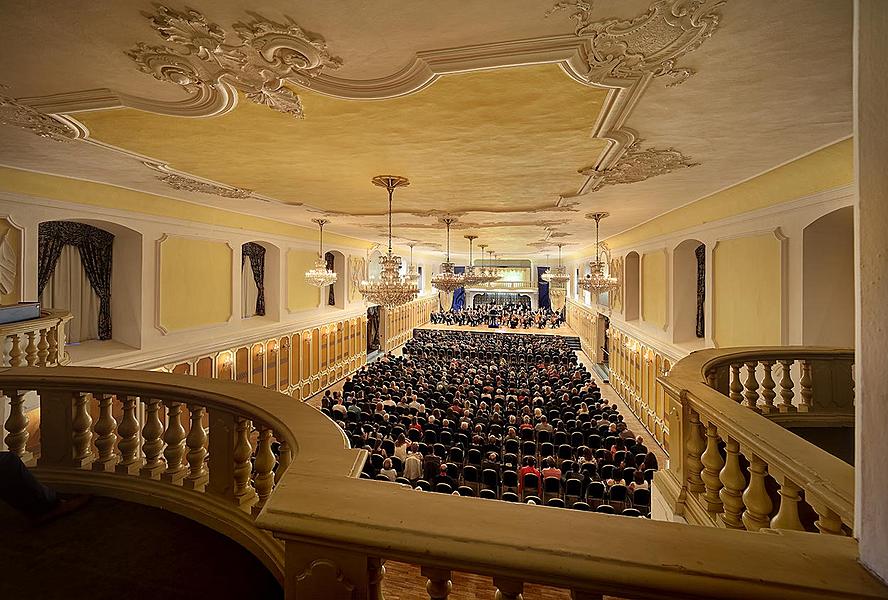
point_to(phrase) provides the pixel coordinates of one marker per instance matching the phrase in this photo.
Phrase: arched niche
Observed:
(688, 291)
(373, 266)
(828, 280)
(631, 289)
(270, 279)
(335, 260)
(126, 281)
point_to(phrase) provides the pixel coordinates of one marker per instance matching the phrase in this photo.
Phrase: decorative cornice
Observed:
(649, 44)
(187, 184)
(257, 59)
(17, 114)
(638, 164)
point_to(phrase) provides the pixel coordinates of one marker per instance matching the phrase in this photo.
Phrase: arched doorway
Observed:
(828, 280)
(688, 291)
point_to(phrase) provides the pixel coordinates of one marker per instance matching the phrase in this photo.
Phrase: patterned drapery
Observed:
(331, 262)
(459, 294)
(95, 246)
(256, 253)
(372, 329)
(700, 252)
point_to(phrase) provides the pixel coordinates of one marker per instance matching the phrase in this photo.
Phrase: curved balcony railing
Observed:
(210, 450)
(36, 342)
(738, 469)
(122, 434)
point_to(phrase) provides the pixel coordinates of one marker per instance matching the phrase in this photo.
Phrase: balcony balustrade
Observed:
(36, 342)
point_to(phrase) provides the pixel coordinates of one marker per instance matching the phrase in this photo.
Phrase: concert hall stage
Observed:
(563, 329)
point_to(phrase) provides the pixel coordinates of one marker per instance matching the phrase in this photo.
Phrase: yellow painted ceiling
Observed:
(508, 140)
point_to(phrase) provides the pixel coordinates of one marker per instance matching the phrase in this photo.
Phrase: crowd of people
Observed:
(513, 417)
(514, 316)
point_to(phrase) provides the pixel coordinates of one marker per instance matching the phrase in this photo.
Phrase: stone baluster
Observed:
(439, 584)
(15, 351)
(81, 427)
(43, 347)
(284, 461)
(786, 385)
(712, 466)
(756, 499)
(787, 516)
(197, 453)
(17, 426)
(736, 386)
(61, 340)
(244, 493)
(264, 480)
(751, 386)
(806, 385)
(508, 588)
(106, 436)
(31, 349)
(768, 386)
(733, 483)
(375, 576)
(827, 520)
(152, 445)
(128, 430)
(696, 445)
(174, 437)
(53, 345)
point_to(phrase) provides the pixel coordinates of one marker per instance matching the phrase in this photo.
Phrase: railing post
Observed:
(244, 494)
(223, 436)
(750, 392)
(264, 480)
(755, 497)
(43, 348)
(787, 516)
(736, 386)
(106, 438)
(508, 588)
(786, 384)
(15, 351)
(806, 385)
(197, 453)
(439, 584)
(827, 520)
(130, 461)
(768, 386)
(695, 445)
(174, 437)
(734, 483)
(17, 426)
(153, 444)
(712, 463)
(31, 349)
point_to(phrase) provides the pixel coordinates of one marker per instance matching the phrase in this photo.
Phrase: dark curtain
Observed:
(256, 253)
(543, 288)
(459, 294)
(372, 329)
(331, 261)
(96, 252)
(701, 289)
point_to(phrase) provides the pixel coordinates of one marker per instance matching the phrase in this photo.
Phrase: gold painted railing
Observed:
(397, 323)
(734, 467)
(36, 342)
(210, 450)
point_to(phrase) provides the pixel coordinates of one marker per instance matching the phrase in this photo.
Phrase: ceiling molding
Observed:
(638, 164)
(13, 112)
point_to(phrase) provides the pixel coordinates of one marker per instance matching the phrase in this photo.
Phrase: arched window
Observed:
(828, 280)
(631, 287)
(335, 294)
(689, 291)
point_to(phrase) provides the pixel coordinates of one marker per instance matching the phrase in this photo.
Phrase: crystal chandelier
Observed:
(558, 276)
(472, 275)
(320, 276)
(447, 280)
(491, 273)
(597, 282)
(389, 289)
(412, 272)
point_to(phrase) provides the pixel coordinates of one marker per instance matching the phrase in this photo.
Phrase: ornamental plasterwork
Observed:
(357, 270)
(616, 297)
(16, 114)
(257, 58)
(187, 184)
(647, 44)
(638, 164)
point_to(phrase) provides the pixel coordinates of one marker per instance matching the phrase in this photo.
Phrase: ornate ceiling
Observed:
(517, 118)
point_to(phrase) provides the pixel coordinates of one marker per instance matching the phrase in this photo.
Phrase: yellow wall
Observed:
(300, 295)
(15, 239)
(825, 169)
(653, 288)
(195, 283)
(747, 291)
(66, 189)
